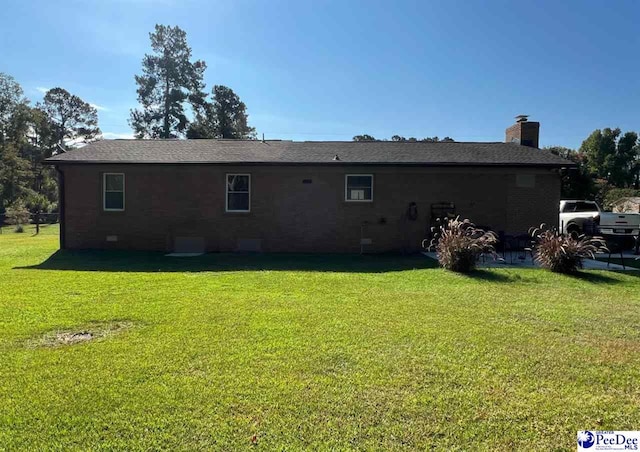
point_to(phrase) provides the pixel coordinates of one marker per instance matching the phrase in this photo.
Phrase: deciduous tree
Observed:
(364, 137)
(401, 138)
(624, 168)
(29, 135)
(14, 176)
(612, 157)
(11, 95)
(576, 183)
(73, 120)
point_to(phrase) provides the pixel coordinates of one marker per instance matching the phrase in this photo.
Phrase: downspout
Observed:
(61, 208)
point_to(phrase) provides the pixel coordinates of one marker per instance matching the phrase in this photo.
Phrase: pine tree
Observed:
(169, 80)
(225, 117)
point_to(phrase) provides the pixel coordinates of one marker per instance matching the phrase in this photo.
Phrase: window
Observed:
(580, 206)
(358, 188)
(586, 207)
(238, 192)
(113, 191)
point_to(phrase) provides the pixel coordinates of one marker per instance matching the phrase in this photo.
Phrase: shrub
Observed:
(19, 229)
(17, 215)
(563, 253)
(459, 243)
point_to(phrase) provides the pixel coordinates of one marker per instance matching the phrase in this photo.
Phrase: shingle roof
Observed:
(309, 152)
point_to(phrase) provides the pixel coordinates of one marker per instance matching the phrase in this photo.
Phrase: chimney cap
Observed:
(522, 118)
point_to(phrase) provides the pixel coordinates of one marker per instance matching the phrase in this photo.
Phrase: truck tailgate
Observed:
(619, 223)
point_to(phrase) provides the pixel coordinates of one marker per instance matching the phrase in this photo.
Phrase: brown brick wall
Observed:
(168, 201)
(526, 133)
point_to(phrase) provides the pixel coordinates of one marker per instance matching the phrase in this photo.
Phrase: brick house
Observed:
(284, 196)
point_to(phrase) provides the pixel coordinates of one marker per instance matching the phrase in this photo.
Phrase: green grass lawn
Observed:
(307, 352)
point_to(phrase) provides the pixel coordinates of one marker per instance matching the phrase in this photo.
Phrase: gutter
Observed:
(61, 208)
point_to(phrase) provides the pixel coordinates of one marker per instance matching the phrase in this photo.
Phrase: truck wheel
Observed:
(573, 230)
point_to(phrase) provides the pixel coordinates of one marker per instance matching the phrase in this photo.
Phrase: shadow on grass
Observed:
(532, 274)
(140, 261)
(598, 278)
(489, 275)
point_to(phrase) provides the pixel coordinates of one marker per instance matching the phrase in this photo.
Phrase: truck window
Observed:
(569, 207)
(586, 207)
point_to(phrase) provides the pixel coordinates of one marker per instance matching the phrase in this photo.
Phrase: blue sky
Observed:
(328, 70)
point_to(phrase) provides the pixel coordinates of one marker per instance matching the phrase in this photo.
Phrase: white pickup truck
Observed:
(578, 216)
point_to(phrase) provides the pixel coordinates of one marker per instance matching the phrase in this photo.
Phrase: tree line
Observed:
(608, 167)
(31, 133)
(435, 139)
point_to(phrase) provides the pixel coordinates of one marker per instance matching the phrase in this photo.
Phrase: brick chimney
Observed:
(523, 132)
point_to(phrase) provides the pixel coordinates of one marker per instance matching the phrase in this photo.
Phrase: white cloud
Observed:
(117, 136)
(99, 107)
(42, 90)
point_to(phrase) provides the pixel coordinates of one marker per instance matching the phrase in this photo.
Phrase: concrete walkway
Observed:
(520, 259)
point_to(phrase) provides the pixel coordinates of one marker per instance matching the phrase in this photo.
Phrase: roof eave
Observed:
(340, 163)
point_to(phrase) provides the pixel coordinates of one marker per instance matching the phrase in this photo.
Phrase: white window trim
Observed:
(226, 192)
(346, 193)
(104, 192)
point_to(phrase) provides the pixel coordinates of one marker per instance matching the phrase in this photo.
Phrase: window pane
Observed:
(359, 181)
(356, 193)
(238, 183)
(359, 194)
(238, 201)
(114, 182)
(586, 207)
(114, 200)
